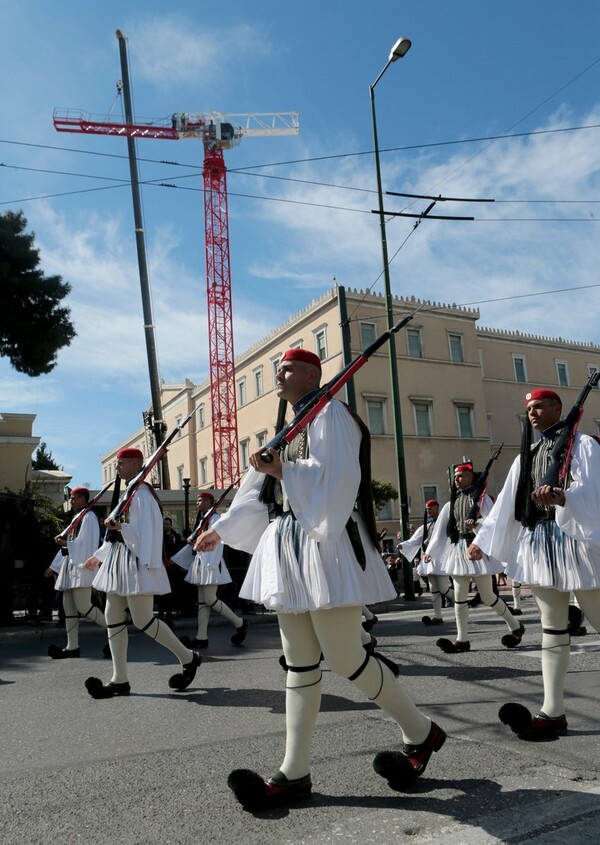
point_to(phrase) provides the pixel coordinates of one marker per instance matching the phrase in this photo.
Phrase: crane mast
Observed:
(217, 132)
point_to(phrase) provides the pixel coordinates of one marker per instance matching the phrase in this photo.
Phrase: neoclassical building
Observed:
(462, 390)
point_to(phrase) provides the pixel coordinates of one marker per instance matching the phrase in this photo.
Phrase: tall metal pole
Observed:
(346, 344)
(395, 388)
(158, 422)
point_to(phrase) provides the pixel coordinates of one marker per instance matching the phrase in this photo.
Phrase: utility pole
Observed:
(159, 426)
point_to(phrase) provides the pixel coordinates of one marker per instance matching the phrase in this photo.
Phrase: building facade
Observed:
(462, 392)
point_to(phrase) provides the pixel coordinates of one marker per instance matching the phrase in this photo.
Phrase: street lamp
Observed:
(400, 49)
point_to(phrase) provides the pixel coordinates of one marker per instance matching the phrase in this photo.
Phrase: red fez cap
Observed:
(204, 494)
(297, 354)
(463, 468)
(83, 490)
(430, 502)
(542, 393)
(128, 452)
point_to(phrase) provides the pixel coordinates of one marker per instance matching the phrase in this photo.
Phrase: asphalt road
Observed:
(152, 768)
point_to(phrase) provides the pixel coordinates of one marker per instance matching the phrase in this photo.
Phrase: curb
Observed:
(51, 631)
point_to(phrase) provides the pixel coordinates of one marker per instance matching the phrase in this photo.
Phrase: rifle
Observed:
(204, 522)
(481, 484)
(125, 502)
(185, 555)
(326, 393)
(560, 456)
(77, 520)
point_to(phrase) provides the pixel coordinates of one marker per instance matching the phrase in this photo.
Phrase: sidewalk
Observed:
(21, 631)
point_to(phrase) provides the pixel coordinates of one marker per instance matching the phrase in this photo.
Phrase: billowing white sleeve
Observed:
(410, 547)
(322, 489)
(499, 533)
(242, 526)
(86, 542)
(143, 534)
(580, 516)
(439, 542)
(213, 558)
(57, 562)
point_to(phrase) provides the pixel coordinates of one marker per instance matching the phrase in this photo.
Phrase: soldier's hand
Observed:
(474, 552)
(207, 541)
(92, 563)
(273, 467)
(547, 495)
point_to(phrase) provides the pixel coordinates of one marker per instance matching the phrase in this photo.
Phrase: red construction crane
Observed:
(217, 132)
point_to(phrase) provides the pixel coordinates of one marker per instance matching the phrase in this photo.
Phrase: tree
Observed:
(43, 458)
(382, 492)
(33, 323)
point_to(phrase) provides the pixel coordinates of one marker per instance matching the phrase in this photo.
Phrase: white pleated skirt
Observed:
(430, 567)
(292, 573)
(71, 577)
(122, 573)
(547, 557)
(202, 573)
(456, 562)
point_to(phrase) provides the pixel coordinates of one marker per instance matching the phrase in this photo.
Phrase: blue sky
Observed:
(299, 208)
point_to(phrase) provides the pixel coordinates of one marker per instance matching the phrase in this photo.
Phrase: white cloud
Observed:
(21, 394)
(447, 261)
(176, 50)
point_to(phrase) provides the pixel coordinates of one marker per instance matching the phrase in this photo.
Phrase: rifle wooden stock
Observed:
(326, 393)
(560, 456)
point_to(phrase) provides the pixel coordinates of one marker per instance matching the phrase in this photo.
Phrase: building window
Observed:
(413, 338)
(376, 415)
(422, 415)
(258, 382)
(244, 454)
(597, 428)
(464, 415)
(523, 420)
(385, 511)
(562, 373)
(274, 368)
(321, 344)
(519, 367)
(592, 368)
(241, 392)
(367, 334)
(202, 476)
(178, 419)
(180, 477)
(201, 416)
(456, 348)
(429, 491)
(261, 439)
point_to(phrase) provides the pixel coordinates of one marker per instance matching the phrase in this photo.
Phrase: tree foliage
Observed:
(43, 458)
(34, 324)
(382, 493)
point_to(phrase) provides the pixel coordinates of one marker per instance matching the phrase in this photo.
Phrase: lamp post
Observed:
(400, 49)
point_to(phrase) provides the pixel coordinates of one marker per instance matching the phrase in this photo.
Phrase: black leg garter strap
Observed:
(147, 625)
(120, 625)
